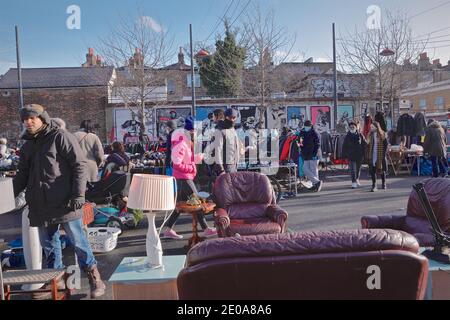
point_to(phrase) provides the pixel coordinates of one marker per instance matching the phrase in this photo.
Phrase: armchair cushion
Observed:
(395, 222)
(255, 226)
(247, 210)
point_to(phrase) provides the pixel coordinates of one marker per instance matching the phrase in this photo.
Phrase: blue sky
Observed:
(46, 41)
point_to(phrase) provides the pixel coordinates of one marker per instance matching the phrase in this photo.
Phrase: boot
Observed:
(96, 283)
(374, 183)
(383, 179)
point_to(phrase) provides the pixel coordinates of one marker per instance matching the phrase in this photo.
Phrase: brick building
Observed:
(72, 94)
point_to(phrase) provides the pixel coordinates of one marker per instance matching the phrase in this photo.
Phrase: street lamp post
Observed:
(389, 53)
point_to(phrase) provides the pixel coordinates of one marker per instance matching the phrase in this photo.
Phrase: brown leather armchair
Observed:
(246, 205)
(415, 222)
(332, 265)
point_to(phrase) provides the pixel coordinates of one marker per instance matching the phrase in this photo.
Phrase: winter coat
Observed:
(311, 144)
(230, 152)
(183, 159)
(381, 164)
(120, 159)
(92, 147)
(406, 126)
(354, 147)
(435, 140)
(420, 124)
(53, 169)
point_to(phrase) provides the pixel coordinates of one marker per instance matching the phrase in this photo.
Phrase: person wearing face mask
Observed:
(376, 155)
(310, 146)
(354, 148)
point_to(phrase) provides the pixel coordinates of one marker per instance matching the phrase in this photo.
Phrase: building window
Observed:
(196, 80)
(439, 103)
(171, 86)
(423, 103)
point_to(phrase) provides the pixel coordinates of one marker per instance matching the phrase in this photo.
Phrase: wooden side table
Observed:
(205, 208)
(135, 280)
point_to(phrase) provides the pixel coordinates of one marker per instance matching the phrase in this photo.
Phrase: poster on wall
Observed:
(296, 117)
(276, 117)
(128, 126)
(321, 118)
(205, 115)
(248, 117)
(345, 114)
(164, 115)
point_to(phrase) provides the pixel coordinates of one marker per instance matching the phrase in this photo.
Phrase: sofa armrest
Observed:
(278, 215)
(394, 222)
(222, 220)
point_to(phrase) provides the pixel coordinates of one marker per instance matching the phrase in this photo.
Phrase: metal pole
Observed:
(19, 69)
(335, 78)
(192, 72)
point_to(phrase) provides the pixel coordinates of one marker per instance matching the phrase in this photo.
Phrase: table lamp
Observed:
(152, 194)
(8, 202)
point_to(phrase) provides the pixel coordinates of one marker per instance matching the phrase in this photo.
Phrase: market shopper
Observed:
(376, 155)
(184, 170)
(53, 170)
(117, 159)
(353, 150)
(171, 127)
(435, 146)
(92, 147)
(4, 151)
(227, 146)
(310, 145)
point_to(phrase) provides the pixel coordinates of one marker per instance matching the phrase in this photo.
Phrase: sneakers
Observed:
(210, 232)
(384, 187)
(171, 234)
(318, 186)
(354, 185)
(358, 183)
(374, 189)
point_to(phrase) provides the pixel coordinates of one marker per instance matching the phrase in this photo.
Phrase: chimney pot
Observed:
(91, 51)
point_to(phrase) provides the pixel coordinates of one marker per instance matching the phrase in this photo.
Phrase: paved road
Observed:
(336, 207)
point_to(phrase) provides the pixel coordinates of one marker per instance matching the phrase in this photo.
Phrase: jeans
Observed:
(439, 165)
(311, 170)
(50, 241)
(355, 170)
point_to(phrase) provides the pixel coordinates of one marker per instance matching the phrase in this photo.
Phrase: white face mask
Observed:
(353, 130)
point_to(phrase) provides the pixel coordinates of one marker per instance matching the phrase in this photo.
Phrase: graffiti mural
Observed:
(205, 115)
(321, 118)
(296, 117)
(276, 117)
(127, 126)
(164, 115)
(323, 88)
(345, 115)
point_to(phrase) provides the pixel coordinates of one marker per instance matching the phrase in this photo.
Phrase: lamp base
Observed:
(153, 244)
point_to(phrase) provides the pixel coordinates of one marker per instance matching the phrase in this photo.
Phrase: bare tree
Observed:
(382, 53)
(138, 50)
(267, 46)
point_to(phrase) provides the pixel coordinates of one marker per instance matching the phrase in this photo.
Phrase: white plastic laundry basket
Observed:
(103, 239)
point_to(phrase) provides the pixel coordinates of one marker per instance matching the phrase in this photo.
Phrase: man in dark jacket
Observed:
(53, 170)
(435, 146)
(310, 145)
(227, 146)
(354, 149)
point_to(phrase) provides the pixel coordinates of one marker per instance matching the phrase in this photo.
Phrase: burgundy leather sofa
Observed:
(246, 205)
(305, 266)
(415, 221)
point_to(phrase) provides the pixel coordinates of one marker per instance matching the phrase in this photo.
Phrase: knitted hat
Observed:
(229, 113)
(34, 110)
(308, 123)
(189, 123)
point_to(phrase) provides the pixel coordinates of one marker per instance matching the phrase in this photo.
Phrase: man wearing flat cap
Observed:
(53, 170)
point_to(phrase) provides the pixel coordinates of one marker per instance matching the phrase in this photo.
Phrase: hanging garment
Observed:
(406, 125)
(420, 124)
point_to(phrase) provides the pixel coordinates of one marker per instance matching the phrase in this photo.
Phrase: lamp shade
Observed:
(7, 202)
(152, 193)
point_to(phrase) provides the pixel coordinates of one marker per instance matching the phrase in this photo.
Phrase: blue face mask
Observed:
(307, 129)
